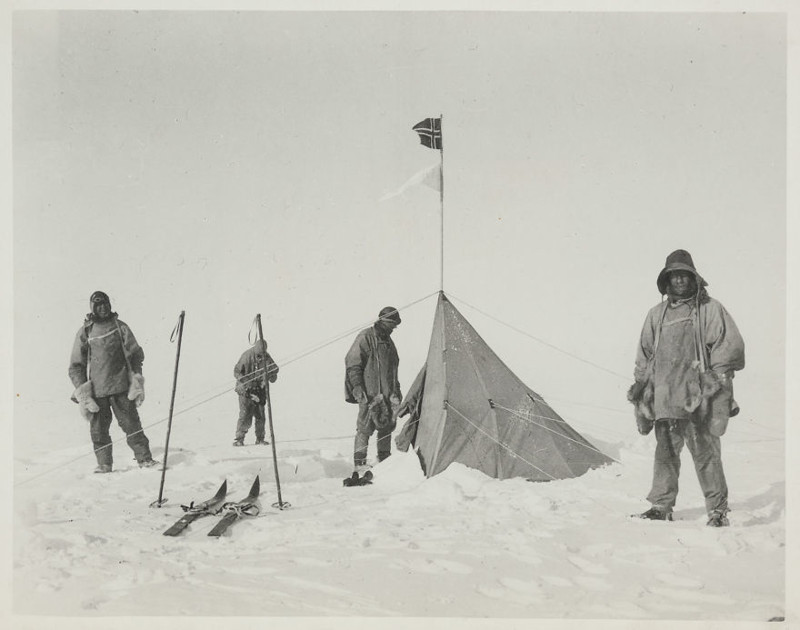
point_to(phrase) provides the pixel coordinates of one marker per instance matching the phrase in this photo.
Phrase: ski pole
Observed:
(179, 329)
(280, 504)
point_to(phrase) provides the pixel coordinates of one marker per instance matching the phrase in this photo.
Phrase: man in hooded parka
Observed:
(371, 380)
(688, 351)
(252, 371)
(106, 370)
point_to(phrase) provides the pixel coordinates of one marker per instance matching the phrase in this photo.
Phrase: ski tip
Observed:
(256, 487)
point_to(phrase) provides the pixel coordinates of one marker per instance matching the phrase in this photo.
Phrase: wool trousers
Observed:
(248, 410)
(365, 427)
(128, 419)
(706, 453)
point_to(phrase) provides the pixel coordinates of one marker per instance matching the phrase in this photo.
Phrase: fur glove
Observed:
(717, 405)
(636, 391)
(380, 413)
(359, 394)
(711, 396)
(136, 389)
(86, 403)
(641, 395)
(394, 403)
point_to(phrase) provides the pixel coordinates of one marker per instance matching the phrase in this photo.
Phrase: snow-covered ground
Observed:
(230, 163)
(457, 545)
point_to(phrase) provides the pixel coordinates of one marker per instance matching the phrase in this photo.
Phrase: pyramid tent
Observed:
(467, 406)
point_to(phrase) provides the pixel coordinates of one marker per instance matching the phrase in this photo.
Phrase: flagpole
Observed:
(441, 202)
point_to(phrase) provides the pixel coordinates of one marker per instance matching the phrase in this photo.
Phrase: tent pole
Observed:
(441, 202)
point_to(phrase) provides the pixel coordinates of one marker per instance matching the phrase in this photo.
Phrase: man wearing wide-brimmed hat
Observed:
(371, 381)
(688, 352)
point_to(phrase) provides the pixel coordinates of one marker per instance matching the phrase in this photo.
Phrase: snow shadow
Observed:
(765, 508)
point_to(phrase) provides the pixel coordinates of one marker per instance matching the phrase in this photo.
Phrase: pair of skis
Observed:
(234, 510)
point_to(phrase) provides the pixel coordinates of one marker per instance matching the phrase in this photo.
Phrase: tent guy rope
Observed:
(529, 418)
(312, 350)
(542, 341)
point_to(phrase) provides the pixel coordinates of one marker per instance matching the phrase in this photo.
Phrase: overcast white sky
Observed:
(232, 163)
(229, 163)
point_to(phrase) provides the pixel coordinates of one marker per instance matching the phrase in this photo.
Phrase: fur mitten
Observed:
(394, 404)
(83, 395)
(641, 395)
(136, 389)
(712, 398)
(720, 406)
(710, 385)
(700, 390)
(380, 413)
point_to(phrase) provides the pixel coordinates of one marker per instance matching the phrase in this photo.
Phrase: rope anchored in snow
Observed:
(257, 375)
(541, 341)
(528, 417)
(511, 451)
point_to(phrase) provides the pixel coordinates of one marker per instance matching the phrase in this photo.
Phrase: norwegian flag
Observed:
(430, 132)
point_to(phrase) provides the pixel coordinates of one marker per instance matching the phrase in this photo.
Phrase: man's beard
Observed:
(688, 294)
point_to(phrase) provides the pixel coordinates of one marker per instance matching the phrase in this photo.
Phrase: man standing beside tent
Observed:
(252, 371)
(105, 368)
(371, 381)
(688, 351)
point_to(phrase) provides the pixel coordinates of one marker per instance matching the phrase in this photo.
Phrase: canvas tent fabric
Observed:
(467, 406)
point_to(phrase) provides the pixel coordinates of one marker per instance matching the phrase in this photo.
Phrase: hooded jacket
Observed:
(669, 356)
(98, 354)
(249, 370)
(372, 363)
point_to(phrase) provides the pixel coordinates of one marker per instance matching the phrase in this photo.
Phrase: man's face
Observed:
(101, 309)
(681, 283)
(388, 325)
